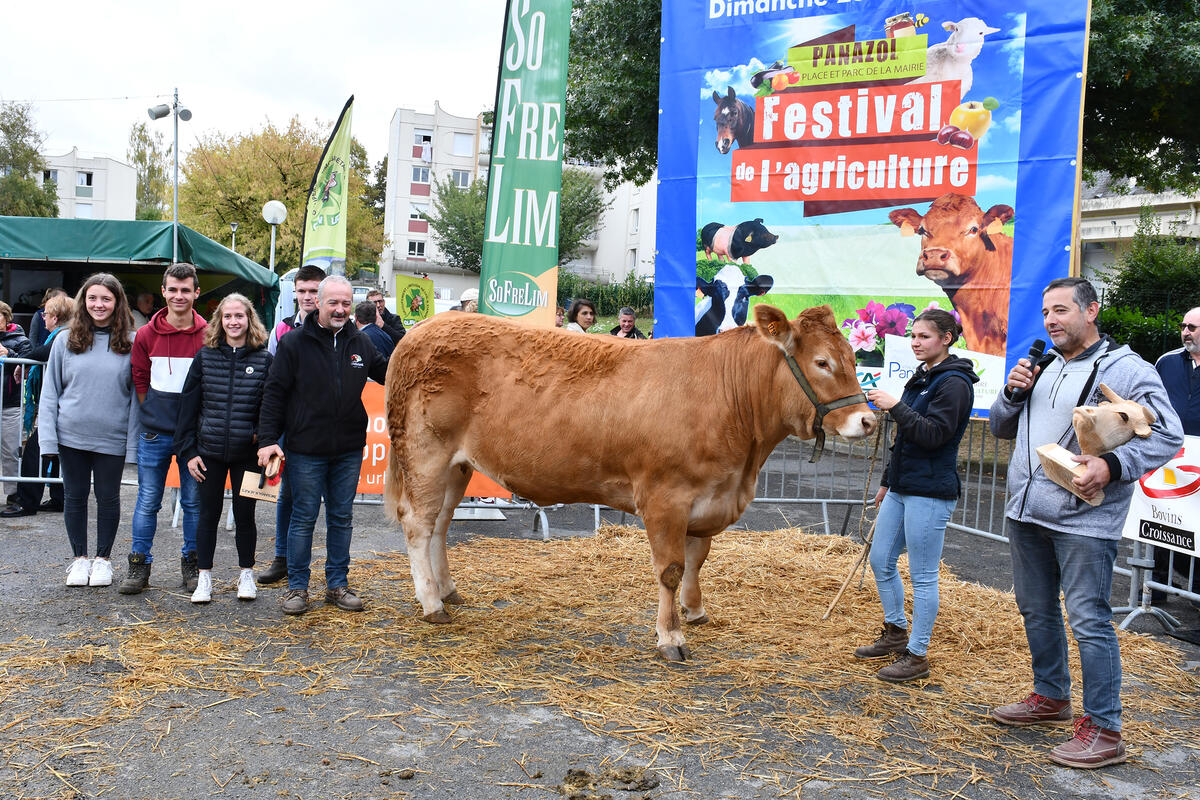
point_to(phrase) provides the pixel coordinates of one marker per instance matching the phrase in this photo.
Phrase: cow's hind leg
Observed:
(667, 532)
(460, 476)
(420, 508)
(696, 548)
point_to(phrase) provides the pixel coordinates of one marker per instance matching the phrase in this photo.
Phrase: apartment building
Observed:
(92, 187)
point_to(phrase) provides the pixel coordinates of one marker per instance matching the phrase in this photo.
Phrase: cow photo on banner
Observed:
(876, 156)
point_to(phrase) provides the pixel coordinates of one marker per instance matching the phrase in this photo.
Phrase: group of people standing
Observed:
(1060, 544)
(221, 397)
(582, 316)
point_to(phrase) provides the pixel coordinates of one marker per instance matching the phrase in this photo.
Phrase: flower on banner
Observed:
(934, 304)
(874, 321)
(863, 336)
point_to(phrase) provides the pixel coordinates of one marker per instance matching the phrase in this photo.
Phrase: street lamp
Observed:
(181, 113)
(233, 245)
(274, 212)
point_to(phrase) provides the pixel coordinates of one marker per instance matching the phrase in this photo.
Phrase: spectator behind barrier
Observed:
(13, 343)
(366, 315)
(581, 316)
(627, 325)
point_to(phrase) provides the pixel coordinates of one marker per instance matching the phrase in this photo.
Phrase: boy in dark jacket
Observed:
(14, 344)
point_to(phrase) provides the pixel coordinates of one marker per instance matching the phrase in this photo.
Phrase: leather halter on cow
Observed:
(821, 408)
(673, 430)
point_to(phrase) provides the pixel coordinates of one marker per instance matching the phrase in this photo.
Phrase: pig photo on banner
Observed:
(880, 157)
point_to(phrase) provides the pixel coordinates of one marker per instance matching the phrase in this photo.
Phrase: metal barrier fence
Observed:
(845, 479)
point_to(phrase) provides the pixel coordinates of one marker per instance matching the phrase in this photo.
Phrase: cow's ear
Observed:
(906, 219)
(1144, 430)
(993, 221)
(773, 325)
(1112, 396)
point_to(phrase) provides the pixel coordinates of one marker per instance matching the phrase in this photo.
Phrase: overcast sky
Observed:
(91, 69)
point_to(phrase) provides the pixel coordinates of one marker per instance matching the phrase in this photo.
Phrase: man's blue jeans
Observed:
(313, 477)
(1045, 561)
(283, 514)
(918, 523)
(154, 454)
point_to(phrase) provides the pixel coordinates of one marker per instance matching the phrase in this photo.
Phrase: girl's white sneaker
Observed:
(102, 573)
(247, 590)
(79, 572)
(203, 593)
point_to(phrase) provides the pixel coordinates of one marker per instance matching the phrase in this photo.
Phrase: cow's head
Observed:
(731, 118)
(1106, 426)
(827, 362)
(955, 235)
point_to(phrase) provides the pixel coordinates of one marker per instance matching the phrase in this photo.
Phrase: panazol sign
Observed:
(519, 277)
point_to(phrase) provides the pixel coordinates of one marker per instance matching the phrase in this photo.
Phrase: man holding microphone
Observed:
(1060, 543)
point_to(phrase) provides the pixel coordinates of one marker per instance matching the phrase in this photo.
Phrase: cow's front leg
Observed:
(667, 535)
(689, 595)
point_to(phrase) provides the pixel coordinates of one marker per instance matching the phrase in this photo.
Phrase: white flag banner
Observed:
(1165, 509)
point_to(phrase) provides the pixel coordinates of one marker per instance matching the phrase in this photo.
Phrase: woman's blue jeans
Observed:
(918, 523)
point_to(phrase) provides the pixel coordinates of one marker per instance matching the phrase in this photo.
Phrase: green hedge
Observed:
(1149, 335)
(635, 292)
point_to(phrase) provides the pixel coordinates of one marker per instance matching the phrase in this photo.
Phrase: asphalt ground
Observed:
(76, 719)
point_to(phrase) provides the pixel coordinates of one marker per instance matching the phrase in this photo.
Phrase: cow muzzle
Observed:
(857, 425)
(937, 263)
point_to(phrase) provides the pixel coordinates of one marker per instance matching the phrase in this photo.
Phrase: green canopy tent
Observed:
(36, 253)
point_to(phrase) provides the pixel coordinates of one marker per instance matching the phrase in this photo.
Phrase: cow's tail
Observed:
(393, 486)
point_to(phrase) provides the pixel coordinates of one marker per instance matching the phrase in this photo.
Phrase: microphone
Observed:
(1035, 352)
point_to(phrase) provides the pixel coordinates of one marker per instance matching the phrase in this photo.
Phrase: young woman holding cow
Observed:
(919, 490)
(218, 431)
(88, 418)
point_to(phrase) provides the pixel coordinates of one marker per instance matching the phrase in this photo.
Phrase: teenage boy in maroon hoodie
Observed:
(162, 354)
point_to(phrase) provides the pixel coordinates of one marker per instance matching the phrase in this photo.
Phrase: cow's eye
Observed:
(1124, 417)
(823, 363)
(974, 229)
(921, 231)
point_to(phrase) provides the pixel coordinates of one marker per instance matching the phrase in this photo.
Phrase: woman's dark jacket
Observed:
(219, 405)
(930, 420)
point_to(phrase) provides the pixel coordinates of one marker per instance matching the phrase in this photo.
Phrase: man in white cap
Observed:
(469, 301)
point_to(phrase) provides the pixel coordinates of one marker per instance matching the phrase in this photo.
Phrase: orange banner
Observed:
(377, 451)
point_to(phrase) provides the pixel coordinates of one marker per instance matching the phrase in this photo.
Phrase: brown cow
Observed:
(674, 430)
(964, 252)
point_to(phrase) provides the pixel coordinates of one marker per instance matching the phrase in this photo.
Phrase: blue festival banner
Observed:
(881, 156)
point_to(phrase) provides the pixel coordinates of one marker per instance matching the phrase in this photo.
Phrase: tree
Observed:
(612, 87)
(1141, 110)
(375, 195)
(149, 156)
(21, 165)
(457, 218)
(1150, 287)
(229, 179)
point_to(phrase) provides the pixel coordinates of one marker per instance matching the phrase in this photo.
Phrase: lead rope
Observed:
(862, 557)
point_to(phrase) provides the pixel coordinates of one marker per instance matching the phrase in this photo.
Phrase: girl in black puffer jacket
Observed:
(218, 431)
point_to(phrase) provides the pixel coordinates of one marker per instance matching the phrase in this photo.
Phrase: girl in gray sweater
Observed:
(88, 418)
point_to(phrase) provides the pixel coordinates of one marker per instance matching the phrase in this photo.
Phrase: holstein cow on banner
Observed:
(725, 302)
(673, 430)
(964, 251)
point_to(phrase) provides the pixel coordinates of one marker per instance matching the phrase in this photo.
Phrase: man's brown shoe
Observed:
(908, 667)
(344, 599)
(892, 640)
(294, 601)
(1090, 747)
(1035, 709)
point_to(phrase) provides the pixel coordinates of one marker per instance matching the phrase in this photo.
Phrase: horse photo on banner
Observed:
(878, 157)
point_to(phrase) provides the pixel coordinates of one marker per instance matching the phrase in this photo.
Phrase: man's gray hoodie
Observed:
(1033, 497)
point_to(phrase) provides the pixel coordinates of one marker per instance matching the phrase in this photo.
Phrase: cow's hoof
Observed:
(439, 617)
(670, 652)
(700, 620)
(453, 599)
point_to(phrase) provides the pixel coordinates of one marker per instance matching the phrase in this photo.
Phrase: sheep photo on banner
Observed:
(876, 156)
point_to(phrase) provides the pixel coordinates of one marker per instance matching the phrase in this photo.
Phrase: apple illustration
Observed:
(973, 117)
